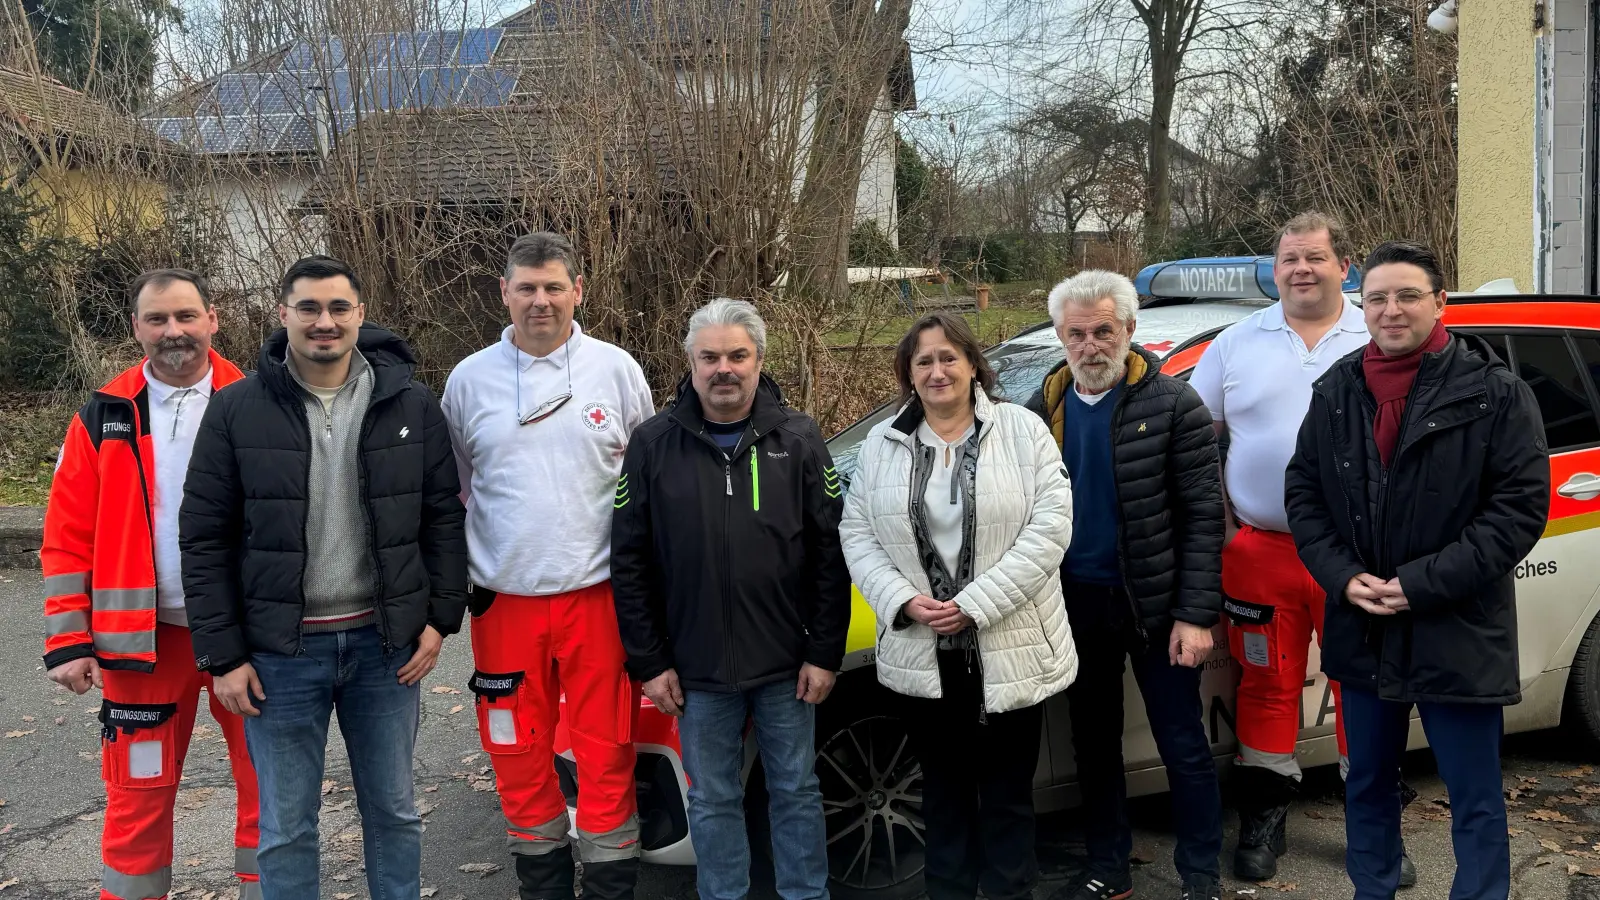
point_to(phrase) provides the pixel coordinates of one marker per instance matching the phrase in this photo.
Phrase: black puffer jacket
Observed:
(1464, 499)
(243, 520)
(1164, 454)
(729, 570)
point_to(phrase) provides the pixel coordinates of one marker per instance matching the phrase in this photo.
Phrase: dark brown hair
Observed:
(160, 279)
(959, 334)
(1416, 254)
(540, 247)
(1313, 222)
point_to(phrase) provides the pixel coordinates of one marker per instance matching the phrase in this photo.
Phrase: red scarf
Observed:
(1389, 378)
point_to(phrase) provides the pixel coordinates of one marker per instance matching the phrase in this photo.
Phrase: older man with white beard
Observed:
(1142, 577)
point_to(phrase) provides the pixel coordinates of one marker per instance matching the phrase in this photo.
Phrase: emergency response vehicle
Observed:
(871, 783)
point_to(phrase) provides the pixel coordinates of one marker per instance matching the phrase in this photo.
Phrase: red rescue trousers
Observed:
(149, 718)
(528, 651)
(1273, 607)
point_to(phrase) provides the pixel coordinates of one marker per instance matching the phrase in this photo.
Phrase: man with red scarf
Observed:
(1420, 480)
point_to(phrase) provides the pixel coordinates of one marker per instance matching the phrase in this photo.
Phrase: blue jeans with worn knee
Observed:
(346, 672)
(712, 732)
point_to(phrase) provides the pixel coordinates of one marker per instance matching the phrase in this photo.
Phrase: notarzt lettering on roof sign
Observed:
(1217, 279)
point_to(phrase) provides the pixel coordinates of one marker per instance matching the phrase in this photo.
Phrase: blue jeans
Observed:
(1465, 738)
(712, 732)
(1103, 631)
(346, 671)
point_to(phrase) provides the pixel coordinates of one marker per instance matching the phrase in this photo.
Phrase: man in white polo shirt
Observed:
(1256, 377)
(540, 421)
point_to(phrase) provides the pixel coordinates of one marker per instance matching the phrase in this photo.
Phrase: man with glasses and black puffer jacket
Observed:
(540, 421)
(324, 562)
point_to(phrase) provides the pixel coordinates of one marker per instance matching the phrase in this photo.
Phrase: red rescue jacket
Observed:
(99, 548)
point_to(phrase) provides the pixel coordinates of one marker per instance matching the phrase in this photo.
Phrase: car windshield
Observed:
(1022, 362)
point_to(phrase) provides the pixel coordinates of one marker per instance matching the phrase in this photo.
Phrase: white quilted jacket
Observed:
(1024, 524)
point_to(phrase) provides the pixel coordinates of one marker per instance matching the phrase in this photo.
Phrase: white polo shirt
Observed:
(539, 496)
(1256, 377)
(174, 421)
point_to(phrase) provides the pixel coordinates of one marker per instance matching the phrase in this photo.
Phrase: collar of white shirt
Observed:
(1350, 319)
(161, 392)
(557, 358)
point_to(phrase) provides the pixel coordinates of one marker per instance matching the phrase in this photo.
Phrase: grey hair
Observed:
(727, 311)
(1088, 288)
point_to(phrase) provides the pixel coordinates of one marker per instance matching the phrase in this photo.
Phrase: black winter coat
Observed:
(728, 568)
(242, 523)
(1169, 490)
(1464, 499)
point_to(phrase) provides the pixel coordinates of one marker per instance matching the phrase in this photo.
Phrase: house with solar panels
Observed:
(457, 112)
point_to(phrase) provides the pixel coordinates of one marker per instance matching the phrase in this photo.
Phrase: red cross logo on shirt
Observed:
(596, 417)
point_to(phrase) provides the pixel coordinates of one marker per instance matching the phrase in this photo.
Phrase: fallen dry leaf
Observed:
(1550, 845)
(6, 828)
(1514, 793)
(61, 720)
(1314, 814)
(457, 708)
(483, 785)
(27, 718)
(17, 734)
(444, 689)
(1548, 815)
(467, 759)
(341, 878)
(86, 754)
(342, 896)
(1285, 886)
(1579, 772)
(482, 870)
(2, 804)
(427, 790)
(8, 883)
(429, 892)
(1587, 788)
(328, 785)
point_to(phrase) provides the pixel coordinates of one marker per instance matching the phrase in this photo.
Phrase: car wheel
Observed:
(1582, 713)
(871, 797)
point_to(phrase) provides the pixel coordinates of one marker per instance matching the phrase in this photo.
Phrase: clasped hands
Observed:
(944, 617)
(1376, 596)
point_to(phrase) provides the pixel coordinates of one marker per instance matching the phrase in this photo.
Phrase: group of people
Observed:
(300, 540)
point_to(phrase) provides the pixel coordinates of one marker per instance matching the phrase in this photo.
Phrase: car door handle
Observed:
(1582, 486)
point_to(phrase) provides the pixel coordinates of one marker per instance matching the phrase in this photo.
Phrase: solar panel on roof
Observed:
(389, 88)
(449, 47)
(487, 87)
(477, 44)
(300, 134)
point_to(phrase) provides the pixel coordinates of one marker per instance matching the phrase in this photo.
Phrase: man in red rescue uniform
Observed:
(540, 420)
(113, 611)
(1256, 378)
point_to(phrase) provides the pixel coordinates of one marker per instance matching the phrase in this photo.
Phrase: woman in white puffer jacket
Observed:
(957, 519)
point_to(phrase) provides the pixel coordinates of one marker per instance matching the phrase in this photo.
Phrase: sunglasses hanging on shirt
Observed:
(546, 408)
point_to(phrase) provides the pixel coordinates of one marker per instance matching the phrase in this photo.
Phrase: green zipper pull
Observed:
(755, 482)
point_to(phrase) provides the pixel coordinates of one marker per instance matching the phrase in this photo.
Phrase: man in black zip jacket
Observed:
(324, 561)
(732, 595)
(1420, 480)
(1142, 578)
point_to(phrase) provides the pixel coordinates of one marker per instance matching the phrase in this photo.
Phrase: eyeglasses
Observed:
(546, 408)
(1408, 298)
(310, 311)
(1104, 336)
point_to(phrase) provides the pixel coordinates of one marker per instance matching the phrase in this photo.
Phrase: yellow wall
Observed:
(1495, 214)
(85, 203)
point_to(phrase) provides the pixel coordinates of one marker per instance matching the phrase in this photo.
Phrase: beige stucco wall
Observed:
(1495, 214)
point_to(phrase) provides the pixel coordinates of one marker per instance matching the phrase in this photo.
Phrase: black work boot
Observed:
(610, 880)
(1263, 799)
(548, 876)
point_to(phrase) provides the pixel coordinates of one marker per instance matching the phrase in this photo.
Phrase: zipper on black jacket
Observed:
(728, 655)
(1122, 531)
(385, 632)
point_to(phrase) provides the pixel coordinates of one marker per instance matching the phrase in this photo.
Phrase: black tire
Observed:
(871, 793)
(1581, 715)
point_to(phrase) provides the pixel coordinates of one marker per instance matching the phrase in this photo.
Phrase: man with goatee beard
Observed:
(114, 585)
(1142, 577)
